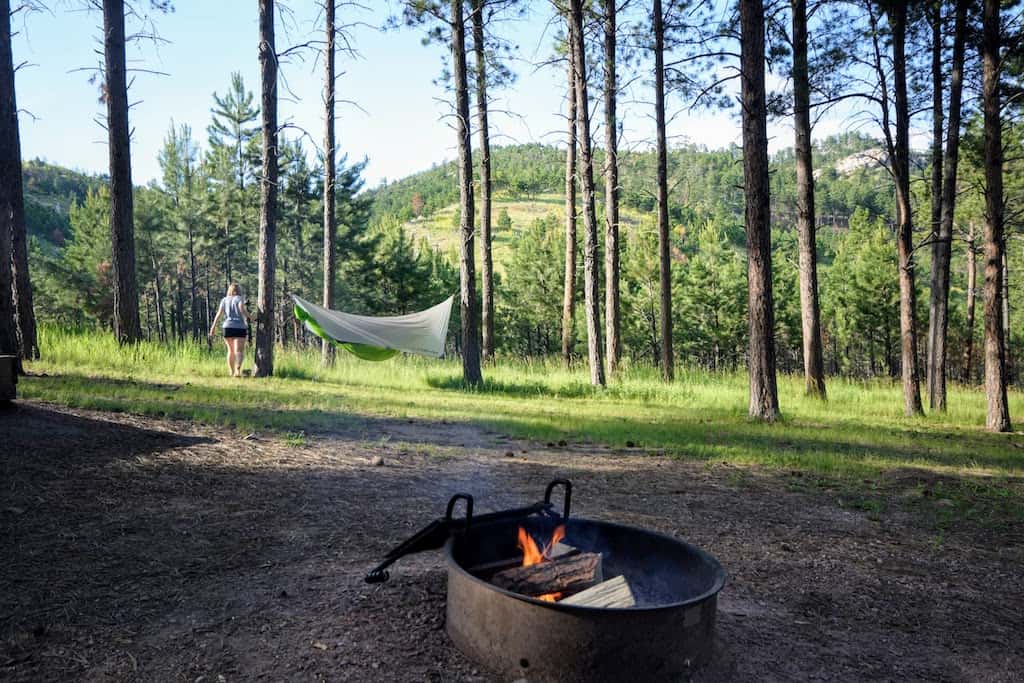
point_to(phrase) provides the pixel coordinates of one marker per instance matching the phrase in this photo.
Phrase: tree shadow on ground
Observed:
(710, 434)
(139, 554)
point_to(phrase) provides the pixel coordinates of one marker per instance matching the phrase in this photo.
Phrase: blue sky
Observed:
(398, 124)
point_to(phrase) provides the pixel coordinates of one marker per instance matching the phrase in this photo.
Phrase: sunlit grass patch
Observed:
(860, 434)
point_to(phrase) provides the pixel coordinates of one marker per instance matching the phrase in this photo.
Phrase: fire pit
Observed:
(606, 602)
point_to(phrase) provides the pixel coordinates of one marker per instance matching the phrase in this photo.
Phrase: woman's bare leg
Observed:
(231, 355)
(239, 354)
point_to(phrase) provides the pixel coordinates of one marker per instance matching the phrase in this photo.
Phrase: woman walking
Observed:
(232, 308)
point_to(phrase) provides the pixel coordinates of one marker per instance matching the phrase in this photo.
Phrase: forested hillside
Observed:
(706, 182)
(859, 288)
(50, 192)
(398, 250)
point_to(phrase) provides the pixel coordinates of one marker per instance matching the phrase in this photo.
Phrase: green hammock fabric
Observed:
(363, 351)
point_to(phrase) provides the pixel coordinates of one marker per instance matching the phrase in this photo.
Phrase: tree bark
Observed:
(158, 303)
(938, 318)
(330, 227)
(10, 167)
(264, 353)
(810, 310)
(998, 414)
(612, 305)
(905, 225)
(17, 320)
(197, 329)
(971, 290)
(467, 267)
(569, 288)
(591, 277)
(1005, 280)
(764, 397)
(664, 245)
(487, 266)
(127, 328)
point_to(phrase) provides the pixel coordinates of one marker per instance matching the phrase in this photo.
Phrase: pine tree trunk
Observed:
(612, 305)
(1006, 313)
(664, 245)
(15, 297)
(810, 310)
(938, 319)
(467, 266)
(330, 226)
(487, 265)
(127, 328)
(764, 397)
(932, 373)
(158, 294)
(998, 414)
(264, 351)
(591, 276)
(569, 288)
(972, 284)
(905, 225)
(197, 330)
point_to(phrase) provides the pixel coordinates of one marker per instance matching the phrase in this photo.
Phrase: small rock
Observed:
(249, 437)
(318, 645)
(509, 454)
(283, 594)
(944, 502)
(376, 461)
(787, 547)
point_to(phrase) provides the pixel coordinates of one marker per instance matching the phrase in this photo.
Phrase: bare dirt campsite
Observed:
(154, 549)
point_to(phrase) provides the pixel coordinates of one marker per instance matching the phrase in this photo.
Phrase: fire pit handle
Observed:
(566, 499)
(451, 508)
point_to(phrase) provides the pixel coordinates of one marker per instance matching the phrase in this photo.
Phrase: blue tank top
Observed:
(232, 308)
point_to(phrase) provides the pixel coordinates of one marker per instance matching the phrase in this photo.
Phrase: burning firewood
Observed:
(562, 576)
(613, 593)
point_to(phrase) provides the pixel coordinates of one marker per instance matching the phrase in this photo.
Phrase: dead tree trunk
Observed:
(127, 327)
(810, 310)
(487, 265)
(591, 277)
(764, 397)
(998, 414)
(938, 318)
(664, 246)
(467, 267)
(330, 227)
(16, 316)
(612, 305)
(264, 353)
(972, 285)
(569, 289)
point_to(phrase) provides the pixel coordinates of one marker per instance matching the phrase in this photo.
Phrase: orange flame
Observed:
(532, 554)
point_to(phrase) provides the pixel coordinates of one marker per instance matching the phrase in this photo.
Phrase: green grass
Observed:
(859, 436)
(439, 231)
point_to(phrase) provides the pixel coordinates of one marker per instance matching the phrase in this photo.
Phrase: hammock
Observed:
(379, 338)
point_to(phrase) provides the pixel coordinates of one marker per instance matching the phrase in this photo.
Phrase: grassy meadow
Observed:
(437, 228)
(859, 438)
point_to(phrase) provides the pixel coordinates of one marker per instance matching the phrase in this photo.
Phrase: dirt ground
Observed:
(149, 550)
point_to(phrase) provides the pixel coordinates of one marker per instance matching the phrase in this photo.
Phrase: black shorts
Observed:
(230, 332)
